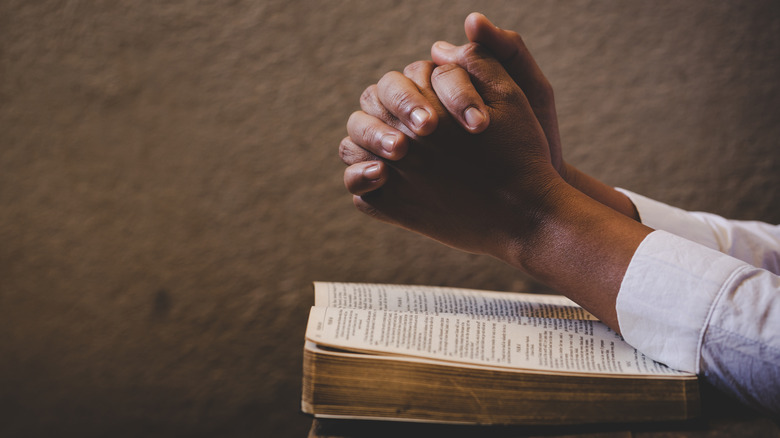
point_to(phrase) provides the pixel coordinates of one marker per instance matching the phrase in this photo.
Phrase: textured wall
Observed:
(169, 183)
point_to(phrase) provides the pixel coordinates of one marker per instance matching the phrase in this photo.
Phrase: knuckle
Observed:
(387, 79)
(402, 100)
(418, 67)
(515, 38)
(343, 148)
(444, 70)
(366, 134)
(454, 85)
(359, 128)
(352, 153)
(444, 74)
(508, 92)
(353, 118)
(396, 98)
(371, 105)
(346, 151)
(470, 54)
(384, 115)
(471, 50)
(353, 121)
(460, 100)
(369, 96)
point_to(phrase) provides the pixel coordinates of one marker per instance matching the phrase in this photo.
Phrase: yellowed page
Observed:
(446, 300)
(545, 344)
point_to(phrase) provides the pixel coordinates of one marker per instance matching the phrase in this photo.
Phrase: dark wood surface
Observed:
(721, 417)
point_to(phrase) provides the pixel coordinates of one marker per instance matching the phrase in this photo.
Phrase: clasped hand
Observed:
(453, 151)
(465, 149)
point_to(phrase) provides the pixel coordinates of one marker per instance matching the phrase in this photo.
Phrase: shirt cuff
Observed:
(660, 216)
(667, 296)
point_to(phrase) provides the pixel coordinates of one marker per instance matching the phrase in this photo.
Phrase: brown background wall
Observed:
(169, 184)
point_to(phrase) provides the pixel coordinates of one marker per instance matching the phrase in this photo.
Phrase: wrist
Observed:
(532, 220)
(530, 233)
(599, 191)
(579, 247)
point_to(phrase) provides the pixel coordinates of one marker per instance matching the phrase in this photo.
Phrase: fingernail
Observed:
(419, 117)
(388, 143)
(444, 45)
(474, 117)
(372, 172)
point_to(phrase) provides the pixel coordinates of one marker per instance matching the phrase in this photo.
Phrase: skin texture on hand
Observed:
(508, 47)
(492, 188)
(448, 173)
(399, 97)
(510, 50)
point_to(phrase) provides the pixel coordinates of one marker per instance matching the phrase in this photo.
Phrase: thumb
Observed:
(504, 44)
(508, 47)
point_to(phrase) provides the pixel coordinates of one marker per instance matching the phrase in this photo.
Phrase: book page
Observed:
(531, 343)
(447, 300)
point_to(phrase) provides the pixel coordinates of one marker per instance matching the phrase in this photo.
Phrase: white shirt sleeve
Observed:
(693, 298)
(757, 243)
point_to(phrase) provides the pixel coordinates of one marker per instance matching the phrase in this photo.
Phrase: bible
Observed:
(437, 354)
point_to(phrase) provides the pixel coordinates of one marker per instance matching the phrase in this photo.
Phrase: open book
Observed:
(421, 353)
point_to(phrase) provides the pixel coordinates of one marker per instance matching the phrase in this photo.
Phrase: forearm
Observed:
(579, 247)
(599, 191)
